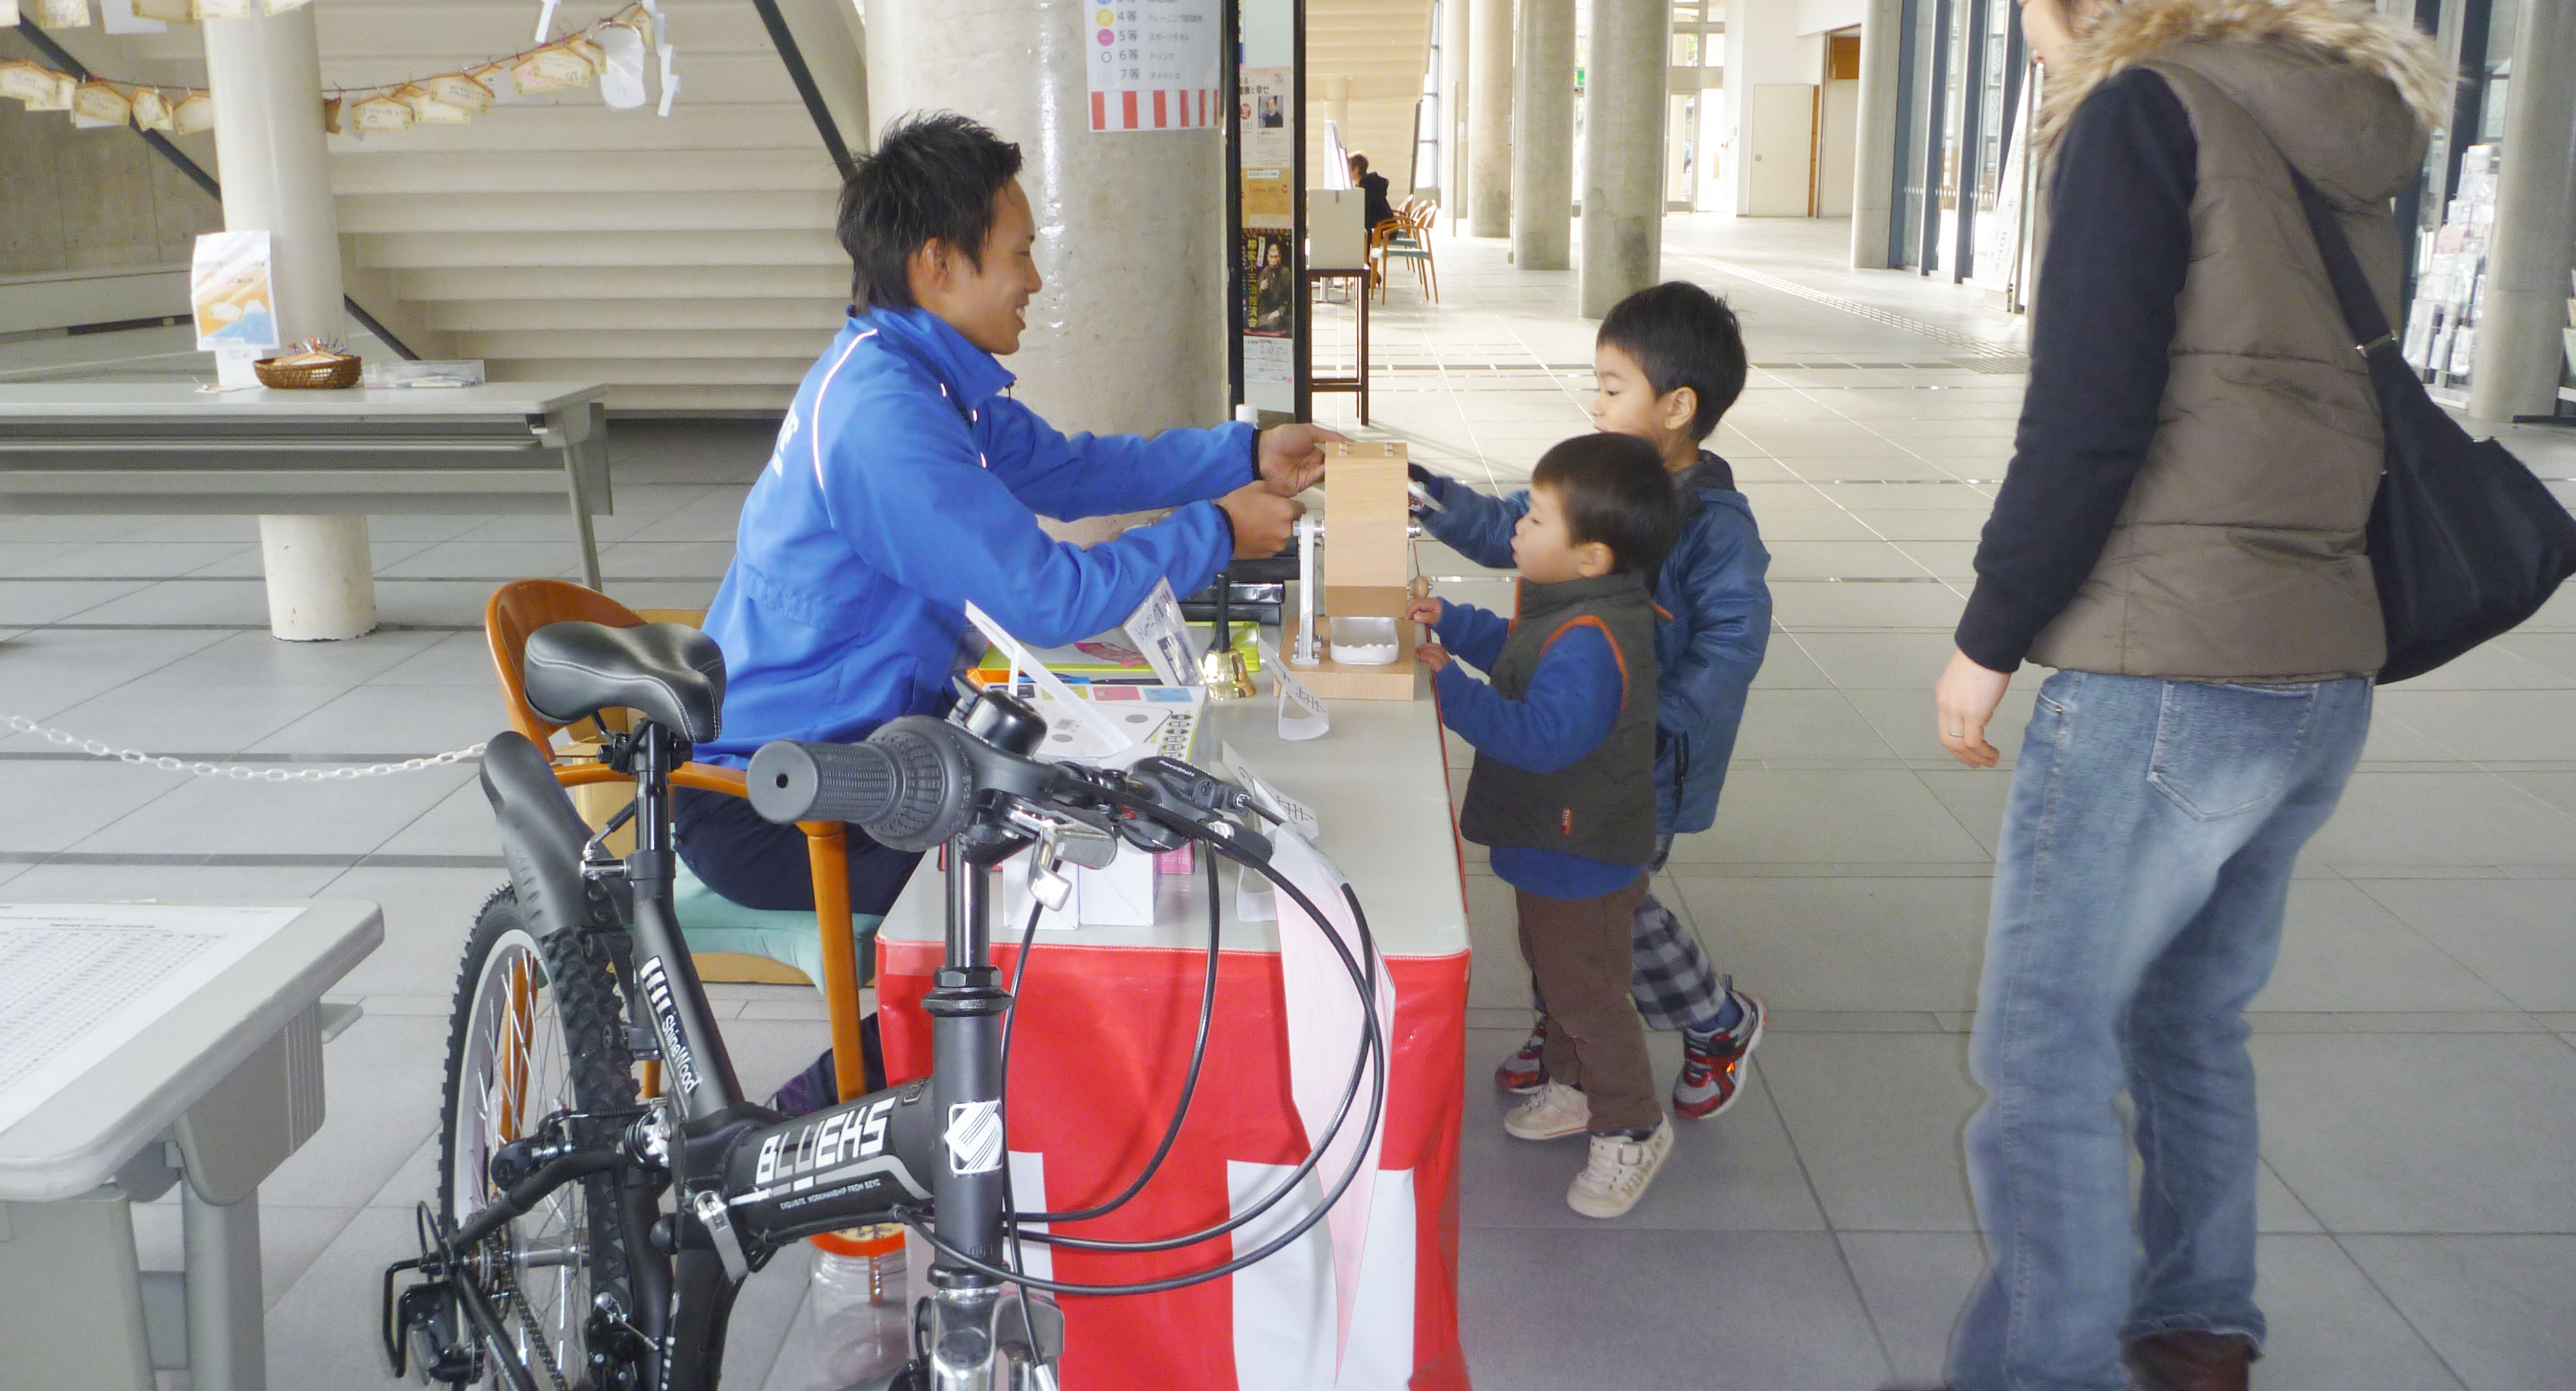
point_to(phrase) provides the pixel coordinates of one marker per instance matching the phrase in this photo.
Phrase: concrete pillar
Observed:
(1453, 111)
(1543, 138)
(1874, 162)
(1489, 114)
(1623, 149)
(1128, 333)
(2520, 352)
(267, 82)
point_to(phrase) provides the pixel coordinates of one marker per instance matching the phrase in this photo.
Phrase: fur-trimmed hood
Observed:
(2348, 94)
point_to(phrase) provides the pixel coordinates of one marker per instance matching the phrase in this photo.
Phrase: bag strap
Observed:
(2361, 312)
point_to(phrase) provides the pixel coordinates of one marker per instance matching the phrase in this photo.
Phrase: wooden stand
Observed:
(1369, 562)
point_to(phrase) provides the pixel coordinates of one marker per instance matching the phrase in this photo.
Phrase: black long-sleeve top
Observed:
(2119, 245)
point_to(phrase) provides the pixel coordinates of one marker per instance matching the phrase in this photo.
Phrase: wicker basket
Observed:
(327, 375)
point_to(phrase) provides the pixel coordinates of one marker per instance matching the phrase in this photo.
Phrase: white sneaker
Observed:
(1557, 1110)
(1618, 1172)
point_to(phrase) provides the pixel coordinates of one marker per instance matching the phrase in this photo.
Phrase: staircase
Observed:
(688, 262)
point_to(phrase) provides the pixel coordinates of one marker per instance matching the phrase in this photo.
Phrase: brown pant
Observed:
(1579, 951)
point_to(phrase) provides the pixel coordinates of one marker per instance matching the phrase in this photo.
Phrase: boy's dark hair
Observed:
(1614, 490)
(1359, 162)
(931, 176)
(1682, 336)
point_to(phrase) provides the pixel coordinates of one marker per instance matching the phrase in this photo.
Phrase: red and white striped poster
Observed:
(1154, 65)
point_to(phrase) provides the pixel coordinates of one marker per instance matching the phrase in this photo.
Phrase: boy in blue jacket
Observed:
(1564, 786)
(1669, 362)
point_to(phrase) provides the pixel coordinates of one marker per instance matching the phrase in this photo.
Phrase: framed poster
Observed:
(1154, 65)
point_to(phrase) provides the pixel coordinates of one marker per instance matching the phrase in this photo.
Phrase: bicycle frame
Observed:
(748, 1183)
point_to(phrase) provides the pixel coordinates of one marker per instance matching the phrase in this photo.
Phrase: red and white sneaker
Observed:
(1523, 1072)
(1711, 1076)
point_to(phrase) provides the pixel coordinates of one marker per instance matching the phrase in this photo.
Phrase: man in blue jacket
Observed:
(1668, 361)
(906, 485)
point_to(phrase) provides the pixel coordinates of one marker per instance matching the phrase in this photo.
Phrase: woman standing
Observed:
(2181, 535)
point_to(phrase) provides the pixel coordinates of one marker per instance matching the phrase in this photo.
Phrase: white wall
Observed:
(1764, 46)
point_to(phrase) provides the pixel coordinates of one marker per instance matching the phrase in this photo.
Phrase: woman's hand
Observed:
(1292, 457)
(1432, 655)
(1964, 701)
(1424, 611)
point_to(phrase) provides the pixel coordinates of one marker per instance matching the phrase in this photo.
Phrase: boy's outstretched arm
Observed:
(1466, 630)
(1475, 525)
(1572, 702)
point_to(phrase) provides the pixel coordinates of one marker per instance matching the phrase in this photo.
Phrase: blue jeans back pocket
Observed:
(2223, 750)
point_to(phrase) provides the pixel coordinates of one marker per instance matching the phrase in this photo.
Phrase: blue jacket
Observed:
(1706, 653)
(905, 486)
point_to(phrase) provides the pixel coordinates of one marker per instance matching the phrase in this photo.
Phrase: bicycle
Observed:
(588, 1236)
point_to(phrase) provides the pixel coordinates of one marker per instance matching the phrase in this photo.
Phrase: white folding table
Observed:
(212, 1091)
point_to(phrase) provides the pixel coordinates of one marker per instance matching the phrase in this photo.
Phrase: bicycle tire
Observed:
(598, 1072)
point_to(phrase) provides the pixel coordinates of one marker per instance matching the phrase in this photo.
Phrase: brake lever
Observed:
(1062, 834)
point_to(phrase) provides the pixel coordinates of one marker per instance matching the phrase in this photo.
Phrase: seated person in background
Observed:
(1564, 785)
(1669, 362)
(1375, 210)
(905, 486)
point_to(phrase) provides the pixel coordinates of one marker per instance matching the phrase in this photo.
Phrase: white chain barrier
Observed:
(235, 771)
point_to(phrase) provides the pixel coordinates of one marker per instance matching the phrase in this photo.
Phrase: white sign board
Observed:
(1154, 65)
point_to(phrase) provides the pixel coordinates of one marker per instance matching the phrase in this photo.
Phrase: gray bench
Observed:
(518, 447)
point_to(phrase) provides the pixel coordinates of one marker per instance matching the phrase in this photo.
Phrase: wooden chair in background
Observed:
(709, 922)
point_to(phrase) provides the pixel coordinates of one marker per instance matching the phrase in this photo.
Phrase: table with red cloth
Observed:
(1106, 1018)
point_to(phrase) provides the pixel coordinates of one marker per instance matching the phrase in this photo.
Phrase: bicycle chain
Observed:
(236, 771)
(508, 1280)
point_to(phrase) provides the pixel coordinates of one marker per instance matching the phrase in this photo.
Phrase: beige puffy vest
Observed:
(2239, 553)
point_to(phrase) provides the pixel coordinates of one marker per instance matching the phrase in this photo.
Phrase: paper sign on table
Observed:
(1287, 809)
(1301, 712)
(1112, 738)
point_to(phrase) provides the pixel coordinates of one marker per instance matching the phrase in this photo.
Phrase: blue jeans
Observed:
(2146, 861)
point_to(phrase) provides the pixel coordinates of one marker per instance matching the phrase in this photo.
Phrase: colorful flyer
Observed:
(1154, 65)
(230, 292)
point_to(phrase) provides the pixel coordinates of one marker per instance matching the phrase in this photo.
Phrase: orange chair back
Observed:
(519, 609)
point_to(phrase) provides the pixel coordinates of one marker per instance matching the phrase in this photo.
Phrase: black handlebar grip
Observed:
(823, 782)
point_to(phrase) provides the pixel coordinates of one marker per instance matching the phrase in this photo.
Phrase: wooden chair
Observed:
(1407, 239)
(708, 921)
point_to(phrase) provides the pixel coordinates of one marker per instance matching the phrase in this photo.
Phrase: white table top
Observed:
(77, 1139)
(182, 401)
(1378, 785)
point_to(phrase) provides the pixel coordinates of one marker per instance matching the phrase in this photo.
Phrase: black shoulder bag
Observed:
(2464, 542)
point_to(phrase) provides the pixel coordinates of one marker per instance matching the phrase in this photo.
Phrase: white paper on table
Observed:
(1286, 809)
(1254, 900)
(1156, 629)
(79, 980)
(1310, 720)
(1107, 731)
(1326, 1030)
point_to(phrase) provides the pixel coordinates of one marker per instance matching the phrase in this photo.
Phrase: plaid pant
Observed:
(1674, 985)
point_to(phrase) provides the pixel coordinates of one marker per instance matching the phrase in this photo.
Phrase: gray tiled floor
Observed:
(2418, 1044)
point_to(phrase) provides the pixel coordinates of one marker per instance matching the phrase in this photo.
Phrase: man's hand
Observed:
(1424, 611)
(1432, 655)
(1263, 520)
(1965, 701)
(1292, 457)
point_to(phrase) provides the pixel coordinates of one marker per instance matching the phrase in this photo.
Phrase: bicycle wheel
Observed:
(536, 1033)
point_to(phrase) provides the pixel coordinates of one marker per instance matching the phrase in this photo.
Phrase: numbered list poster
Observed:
(1154, 65)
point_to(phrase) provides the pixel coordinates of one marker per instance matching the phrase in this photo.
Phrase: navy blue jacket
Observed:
(904, 487)
(1707, 652)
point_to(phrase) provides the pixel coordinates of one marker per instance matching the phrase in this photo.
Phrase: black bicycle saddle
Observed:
(670, 673)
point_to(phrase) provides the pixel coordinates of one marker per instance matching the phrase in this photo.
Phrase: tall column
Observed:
(1489, 114)
(1543, 138)
(1874, 161)
(1623, 149)
(266, 77)
(1453, 111)
(2519, 348)
(1129, 332)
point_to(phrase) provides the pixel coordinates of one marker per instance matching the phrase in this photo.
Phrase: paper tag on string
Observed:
(62, 14)
(1301, 712)
(545, 21)
(621, 80)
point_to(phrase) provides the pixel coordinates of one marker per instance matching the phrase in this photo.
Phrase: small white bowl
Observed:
(1363, 642)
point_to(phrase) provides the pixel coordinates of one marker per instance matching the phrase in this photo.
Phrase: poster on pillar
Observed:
(230, 292)
(1154, 65)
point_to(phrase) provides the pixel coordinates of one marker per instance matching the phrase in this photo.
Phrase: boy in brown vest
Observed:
(1564, 785)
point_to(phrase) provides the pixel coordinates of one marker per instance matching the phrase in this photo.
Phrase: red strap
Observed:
(1585, 620)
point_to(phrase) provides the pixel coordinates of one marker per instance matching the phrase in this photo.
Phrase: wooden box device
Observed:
(1368, 570)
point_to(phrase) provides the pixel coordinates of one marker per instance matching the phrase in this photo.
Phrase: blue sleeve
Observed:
(1470, 632)
(1703, 689)
(1573, 700)
(1086, 475)
(914, 499)
(1477, 525)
